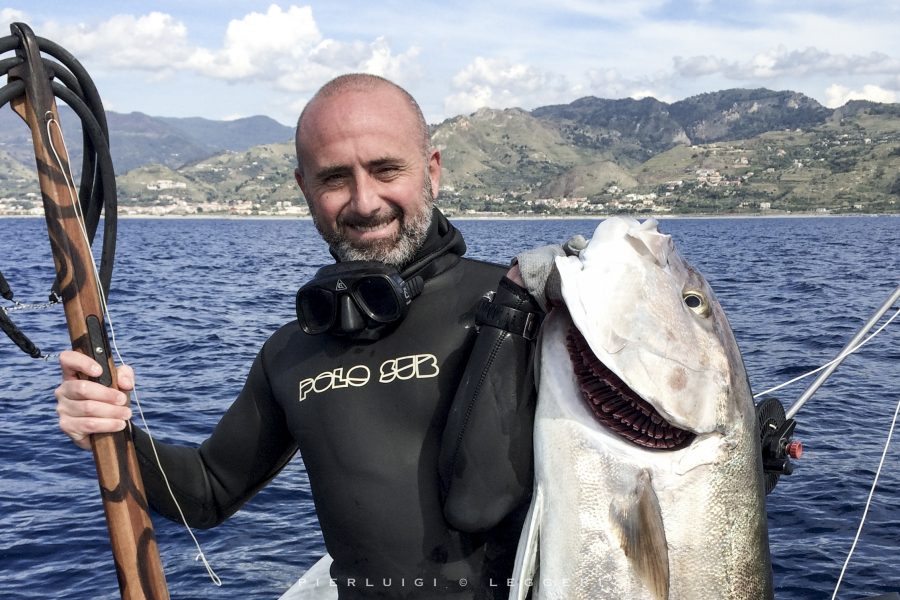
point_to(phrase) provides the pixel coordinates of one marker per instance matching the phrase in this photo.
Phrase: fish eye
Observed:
(696, 301)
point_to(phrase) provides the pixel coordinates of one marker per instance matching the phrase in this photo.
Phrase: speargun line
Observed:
(844, 353)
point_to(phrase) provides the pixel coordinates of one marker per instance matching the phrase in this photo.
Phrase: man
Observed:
(414, 429)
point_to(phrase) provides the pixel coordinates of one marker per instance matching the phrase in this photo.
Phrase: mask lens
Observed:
(377, 296)
(315, 309)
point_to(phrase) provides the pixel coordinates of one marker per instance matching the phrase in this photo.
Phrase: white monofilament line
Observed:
(70, 185)
(837, 359)
(862, 521)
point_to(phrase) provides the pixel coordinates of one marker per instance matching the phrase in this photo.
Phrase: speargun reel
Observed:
(778, 448)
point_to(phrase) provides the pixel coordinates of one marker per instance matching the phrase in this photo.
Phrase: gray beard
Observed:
(396, 251)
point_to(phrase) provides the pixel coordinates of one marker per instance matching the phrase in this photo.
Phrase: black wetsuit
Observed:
(388, 473)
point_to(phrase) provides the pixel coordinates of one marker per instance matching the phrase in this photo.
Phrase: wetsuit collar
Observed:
(441, 250)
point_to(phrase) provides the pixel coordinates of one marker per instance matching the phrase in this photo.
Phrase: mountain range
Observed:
(719, 149)
(137, 139)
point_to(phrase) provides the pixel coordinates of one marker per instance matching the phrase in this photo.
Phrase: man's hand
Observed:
(86, 407)
(535, 270)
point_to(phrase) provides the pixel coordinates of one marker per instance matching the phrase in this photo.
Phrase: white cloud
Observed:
(470, 100)
(12, 15)
(498, 83)
(283, 47)
(498, 72)
(640, 94)
(610, 83)
(261, 45)
(155, 42)
(838, 95)
(810, 61)
(698, 66)
(383, 62)
(331, 58)
(782, 62)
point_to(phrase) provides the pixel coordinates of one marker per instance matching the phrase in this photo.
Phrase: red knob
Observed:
(794, 449)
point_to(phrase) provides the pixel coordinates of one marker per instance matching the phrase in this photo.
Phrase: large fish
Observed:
(648, 476)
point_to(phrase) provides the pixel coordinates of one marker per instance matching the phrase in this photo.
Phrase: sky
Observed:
(225, 59)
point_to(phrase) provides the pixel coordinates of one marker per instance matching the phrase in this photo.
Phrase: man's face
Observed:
(368, 183)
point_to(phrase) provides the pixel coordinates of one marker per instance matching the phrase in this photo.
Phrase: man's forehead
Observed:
(377, 120)
(363, 101)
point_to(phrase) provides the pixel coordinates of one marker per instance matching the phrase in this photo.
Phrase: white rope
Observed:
(838, 359)
(862, 521)
(70, 184)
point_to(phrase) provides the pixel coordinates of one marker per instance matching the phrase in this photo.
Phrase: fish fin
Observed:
(529, 546)
(638, 521)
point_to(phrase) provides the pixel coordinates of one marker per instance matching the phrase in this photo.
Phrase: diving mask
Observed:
(352, 297)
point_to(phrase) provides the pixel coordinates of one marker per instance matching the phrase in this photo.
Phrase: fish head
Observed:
(654, 323)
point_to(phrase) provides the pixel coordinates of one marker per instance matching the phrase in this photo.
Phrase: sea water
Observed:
(193, 301)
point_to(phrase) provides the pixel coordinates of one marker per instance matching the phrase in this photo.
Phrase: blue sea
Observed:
(193, 300)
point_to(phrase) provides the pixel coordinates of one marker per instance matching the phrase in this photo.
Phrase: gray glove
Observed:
(538, 269)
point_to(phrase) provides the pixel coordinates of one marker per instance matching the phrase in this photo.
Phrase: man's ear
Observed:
(434, 171)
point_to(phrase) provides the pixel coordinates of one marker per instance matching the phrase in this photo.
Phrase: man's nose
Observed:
(364, 195)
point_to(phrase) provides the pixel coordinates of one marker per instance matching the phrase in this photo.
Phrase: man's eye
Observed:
(387, 173)
(333, 180)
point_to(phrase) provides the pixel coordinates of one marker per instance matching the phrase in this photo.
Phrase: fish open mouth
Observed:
(616, 406)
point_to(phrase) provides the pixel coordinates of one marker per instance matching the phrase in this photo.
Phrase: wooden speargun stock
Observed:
(136, 555)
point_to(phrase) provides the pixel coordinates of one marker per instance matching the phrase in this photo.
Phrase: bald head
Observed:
(362, 82)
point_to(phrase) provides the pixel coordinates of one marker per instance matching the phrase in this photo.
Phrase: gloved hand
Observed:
(537, 268)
